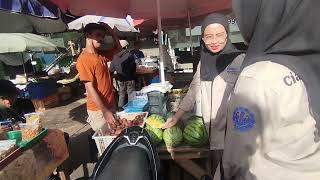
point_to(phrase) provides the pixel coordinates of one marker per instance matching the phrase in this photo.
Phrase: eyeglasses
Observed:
(211, 38)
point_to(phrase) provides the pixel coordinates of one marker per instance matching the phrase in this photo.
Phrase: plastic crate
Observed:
(136, 105)
(157, 98)
(103, 141)
(158, 109)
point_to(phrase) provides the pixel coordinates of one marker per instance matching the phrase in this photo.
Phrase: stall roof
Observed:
(172, 11)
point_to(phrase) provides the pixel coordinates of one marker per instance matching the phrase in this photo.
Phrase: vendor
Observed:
(8, 96)
(137, 53)
(214, 80)
(94, 73)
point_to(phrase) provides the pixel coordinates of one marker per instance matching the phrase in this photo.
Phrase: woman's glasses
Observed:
(214, 38)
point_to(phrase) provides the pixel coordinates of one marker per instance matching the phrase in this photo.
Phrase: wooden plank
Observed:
(11, 157)
(197, 155)
(162, 149)
(194, 169)
(174, 171)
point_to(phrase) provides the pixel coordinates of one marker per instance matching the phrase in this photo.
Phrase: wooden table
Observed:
(184, 156)
(38, 162)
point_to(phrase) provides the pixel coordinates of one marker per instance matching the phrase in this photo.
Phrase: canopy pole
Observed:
(190, 31)
(162, 76)
(24, 68)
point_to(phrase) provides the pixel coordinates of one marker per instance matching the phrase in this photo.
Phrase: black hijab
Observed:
(285, 32)
(212, 64)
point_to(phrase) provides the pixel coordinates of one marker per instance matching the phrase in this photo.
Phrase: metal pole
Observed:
(162, 76)
(24, 68)
(190, 31)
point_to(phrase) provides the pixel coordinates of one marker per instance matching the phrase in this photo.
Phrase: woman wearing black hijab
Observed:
(216, 75)
(272, 124)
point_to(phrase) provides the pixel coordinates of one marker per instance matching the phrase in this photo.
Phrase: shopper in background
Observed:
(217, 72)
(94, 73)
(124, 66)
(273, 118)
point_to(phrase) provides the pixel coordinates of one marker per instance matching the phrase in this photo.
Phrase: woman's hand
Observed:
(171, 121)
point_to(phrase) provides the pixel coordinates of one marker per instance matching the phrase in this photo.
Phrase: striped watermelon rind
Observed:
(173, 136)
(195, 133)
(155, 134)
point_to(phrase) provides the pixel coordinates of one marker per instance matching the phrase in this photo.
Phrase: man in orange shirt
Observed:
(94, 72)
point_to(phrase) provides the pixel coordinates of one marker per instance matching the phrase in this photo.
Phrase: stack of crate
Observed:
(157, 102)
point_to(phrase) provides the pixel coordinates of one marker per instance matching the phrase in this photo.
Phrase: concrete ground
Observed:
(71, 118)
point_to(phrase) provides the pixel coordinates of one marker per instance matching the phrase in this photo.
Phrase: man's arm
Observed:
(108, 115)
(115, 38)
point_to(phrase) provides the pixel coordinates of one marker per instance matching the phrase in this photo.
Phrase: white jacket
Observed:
(214, 98)
(271, 133)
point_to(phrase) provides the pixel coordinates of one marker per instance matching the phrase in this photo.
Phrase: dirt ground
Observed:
(71, 118)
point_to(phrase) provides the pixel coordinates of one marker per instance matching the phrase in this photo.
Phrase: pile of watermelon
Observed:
(193, 134)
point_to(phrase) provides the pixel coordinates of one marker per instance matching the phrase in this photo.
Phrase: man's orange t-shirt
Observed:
(94, 68)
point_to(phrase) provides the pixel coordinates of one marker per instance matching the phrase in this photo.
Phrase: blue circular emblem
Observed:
(243, 119)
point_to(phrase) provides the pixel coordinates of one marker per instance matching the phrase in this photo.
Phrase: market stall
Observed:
(30, 151)
(19, 50)
(186, 143)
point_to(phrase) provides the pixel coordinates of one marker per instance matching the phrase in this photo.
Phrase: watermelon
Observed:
(195, 133)
(155, 134)
(195, 118)
(155, 121)
(173, 136)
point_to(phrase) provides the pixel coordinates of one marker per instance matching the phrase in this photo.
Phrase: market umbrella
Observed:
(143, 9)
(13, 59)
(147, 9)
(26, 16)
(22, 42)
(121, 24)
(25, 42)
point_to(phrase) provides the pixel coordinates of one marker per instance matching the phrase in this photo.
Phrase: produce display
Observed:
(173, 136)
(29, 131)
(155, 121)
(127, 120)
(195, 133)
(155, 134)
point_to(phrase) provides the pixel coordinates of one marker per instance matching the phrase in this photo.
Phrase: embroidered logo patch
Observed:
(243, 119)
(232, 70)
